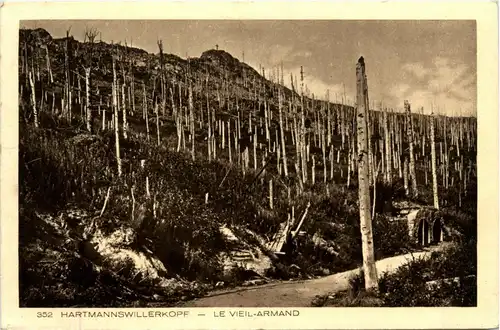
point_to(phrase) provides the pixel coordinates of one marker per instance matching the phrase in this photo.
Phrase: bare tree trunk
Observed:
(405, 177)
(329, 121)
(313, 171)
(103, 124)
(370, 271)
(434, 169)
(209, 138)
(67, 87)
(132, 89)
(271, 206)
(331, 161)
(117, 131)
(191, 121)
(323, 147)
(25, 62)
(157, 123)
(410, 133)
(49, 70)
(303, 129)
(87, 100)
(255, 138)
(79, 95)
(283, 145)
(53, 102)
(33, 100)
(349, 166)
(124, 112)
(266, 122)
(176, 115)
(223, 127)
(388, 156)
(229, 141)
(446, 163)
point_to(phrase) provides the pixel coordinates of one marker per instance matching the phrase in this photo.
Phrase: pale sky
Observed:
(430, 63)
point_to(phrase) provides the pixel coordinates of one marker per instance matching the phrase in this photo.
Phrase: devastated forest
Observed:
(149, 179)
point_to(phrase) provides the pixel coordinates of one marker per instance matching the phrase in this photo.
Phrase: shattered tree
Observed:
(370, 271)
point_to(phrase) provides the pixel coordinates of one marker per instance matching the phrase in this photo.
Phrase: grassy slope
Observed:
(61, 166)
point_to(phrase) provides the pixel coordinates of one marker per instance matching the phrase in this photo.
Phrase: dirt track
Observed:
(295, 294)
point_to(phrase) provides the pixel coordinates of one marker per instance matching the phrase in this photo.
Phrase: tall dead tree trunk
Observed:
(283, 146)
(49, 70)
(33, 99)
(434, 169)
(67, 69)
(90, 36)
(25, 62)
(229, 141)
(87, 100)
(209, 119)
(410, 133)
(191, 121)
(405, 177)
(132, 85)
(370, 271)
(117, 130)
(388, 153)
(124, 113)
(162, 77)
(157, 124)
(302, 129)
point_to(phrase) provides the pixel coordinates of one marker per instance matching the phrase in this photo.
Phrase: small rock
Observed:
(254, 282)
(325, 271)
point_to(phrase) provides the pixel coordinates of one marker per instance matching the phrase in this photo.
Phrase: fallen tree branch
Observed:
(105, 202)
(295, 233)
(229, 170)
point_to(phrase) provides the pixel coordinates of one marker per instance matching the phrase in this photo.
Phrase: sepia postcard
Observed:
(249, 165)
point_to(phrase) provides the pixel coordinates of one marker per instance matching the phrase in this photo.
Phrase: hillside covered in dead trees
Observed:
(148, 179)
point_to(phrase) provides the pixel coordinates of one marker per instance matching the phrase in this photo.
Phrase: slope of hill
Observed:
(192, 188)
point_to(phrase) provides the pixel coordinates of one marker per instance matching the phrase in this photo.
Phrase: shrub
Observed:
(407, 286)
(390, 237)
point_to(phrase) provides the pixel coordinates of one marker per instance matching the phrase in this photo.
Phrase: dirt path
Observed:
(298, 293)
